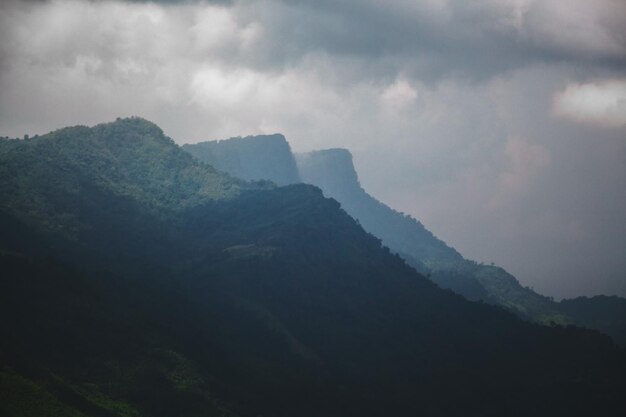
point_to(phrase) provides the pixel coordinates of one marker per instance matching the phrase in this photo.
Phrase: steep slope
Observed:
(333, 171)
(249, 300)
(264, 157)
(257, 157)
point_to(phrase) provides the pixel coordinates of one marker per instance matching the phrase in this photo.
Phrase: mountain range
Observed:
(333, 171)
(139, 281)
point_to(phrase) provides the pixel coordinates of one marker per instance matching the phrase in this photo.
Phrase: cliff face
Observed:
(264, 157)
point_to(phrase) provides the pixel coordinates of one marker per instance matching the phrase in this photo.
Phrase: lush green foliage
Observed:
(129, 296)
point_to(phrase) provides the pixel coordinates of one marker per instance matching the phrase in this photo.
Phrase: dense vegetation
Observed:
(144, 283)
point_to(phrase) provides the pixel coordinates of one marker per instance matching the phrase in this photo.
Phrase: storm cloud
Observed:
(500, 123)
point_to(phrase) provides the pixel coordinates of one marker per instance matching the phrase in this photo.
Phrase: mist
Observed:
(501, 125)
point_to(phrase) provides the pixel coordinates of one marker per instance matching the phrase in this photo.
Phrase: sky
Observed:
(500, 124)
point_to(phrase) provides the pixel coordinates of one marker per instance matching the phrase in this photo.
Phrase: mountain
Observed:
(137, 281)
(333, 171)
(266, 157)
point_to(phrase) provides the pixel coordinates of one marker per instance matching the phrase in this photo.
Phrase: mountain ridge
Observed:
(333, 171)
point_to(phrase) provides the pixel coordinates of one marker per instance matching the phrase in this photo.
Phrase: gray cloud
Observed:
(435, 37)
(463, 114)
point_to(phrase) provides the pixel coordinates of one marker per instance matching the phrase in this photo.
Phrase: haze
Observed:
(501, 125)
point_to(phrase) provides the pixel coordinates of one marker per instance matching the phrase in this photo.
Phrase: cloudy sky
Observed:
(501, 124)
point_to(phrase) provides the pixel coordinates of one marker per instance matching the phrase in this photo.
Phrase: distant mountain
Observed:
(333, 171)
(137, 281)
(266, 157)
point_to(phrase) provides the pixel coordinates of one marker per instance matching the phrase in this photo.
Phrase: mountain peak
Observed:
(134, 127)
(118, 134)
(135, 122)
(128, 157)
(261, 157)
